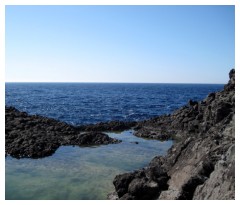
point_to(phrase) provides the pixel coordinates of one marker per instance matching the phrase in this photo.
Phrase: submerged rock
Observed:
(135, 142)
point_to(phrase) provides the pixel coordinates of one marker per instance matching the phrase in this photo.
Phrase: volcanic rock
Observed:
(34, 136)
(201, 163)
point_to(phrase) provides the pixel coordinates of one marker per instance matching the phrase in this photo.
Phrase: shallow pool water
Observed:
(79, 172)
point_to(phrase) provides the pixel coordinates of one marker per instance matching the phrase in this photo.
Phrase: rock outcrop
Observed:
(110, 126)
(35, 136)
(201, 164)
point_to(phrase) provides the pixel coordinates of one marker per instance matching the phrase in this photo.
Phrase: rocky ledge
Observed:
(200, 165)
(116, 126)
(35, 136)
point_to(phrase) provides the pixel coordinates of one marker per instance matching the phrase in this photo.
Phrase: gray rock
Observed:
(35, 136)
(141, 188)
(201, 164)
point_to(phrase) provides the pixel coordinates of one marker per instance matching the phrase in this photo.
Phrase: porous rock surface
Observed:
(200, 165)
(35, 136)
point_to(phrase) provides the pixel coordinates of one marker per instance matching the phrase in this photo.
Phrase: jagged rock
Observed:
(192, 103)
(35, 136)
(108, 126)
(201, 165)
(221, 183)
(231, 83)
(90, 138)
(121, 183)
(142, 188)
(197, 117)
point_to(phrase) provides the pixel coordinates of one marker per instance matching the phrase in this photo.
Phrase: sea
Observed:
(87, 173)
(85, 103)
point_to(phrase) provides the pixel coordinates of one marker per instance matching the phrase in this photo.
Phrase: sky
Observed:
(138, 44)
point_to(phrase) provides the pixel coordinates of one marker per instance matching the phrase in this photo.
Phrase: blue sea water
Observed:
(88, 172)
(84, 103)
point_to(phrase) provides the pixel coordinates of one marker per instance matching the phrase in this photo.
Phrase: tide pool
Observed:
(76, 173)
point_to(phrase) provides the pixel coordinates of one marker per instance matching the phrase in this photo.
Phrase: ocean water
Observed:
(79, 172)
(88, 172)
(84, 103)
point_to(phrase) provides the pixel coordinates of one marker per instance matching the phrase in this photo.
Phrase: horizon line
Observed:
(109, 82)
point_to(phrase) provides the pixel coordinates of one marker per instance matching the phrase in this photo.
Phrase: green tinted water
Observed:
(79, 172)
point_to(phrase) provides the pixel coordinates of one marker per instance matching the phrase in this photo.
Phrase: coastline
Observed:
(201, 165)
(204, 151)
(33, 136)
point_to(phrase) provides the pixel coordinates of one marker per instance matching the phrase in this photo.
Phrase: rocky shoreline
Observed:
(34, 136)
(200, 165)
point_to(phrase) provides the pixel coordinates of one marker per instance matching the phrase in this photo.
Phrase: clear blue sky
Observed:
(159, 44)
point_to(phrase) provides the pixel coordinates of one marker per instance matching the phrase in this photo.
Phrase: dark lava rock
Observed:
(121, 183)
(195, 118)
(200, 164)
(142, 188)
(108, 126)
(35, 136)
(192, 103)
(142, 184)
(90, 138)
